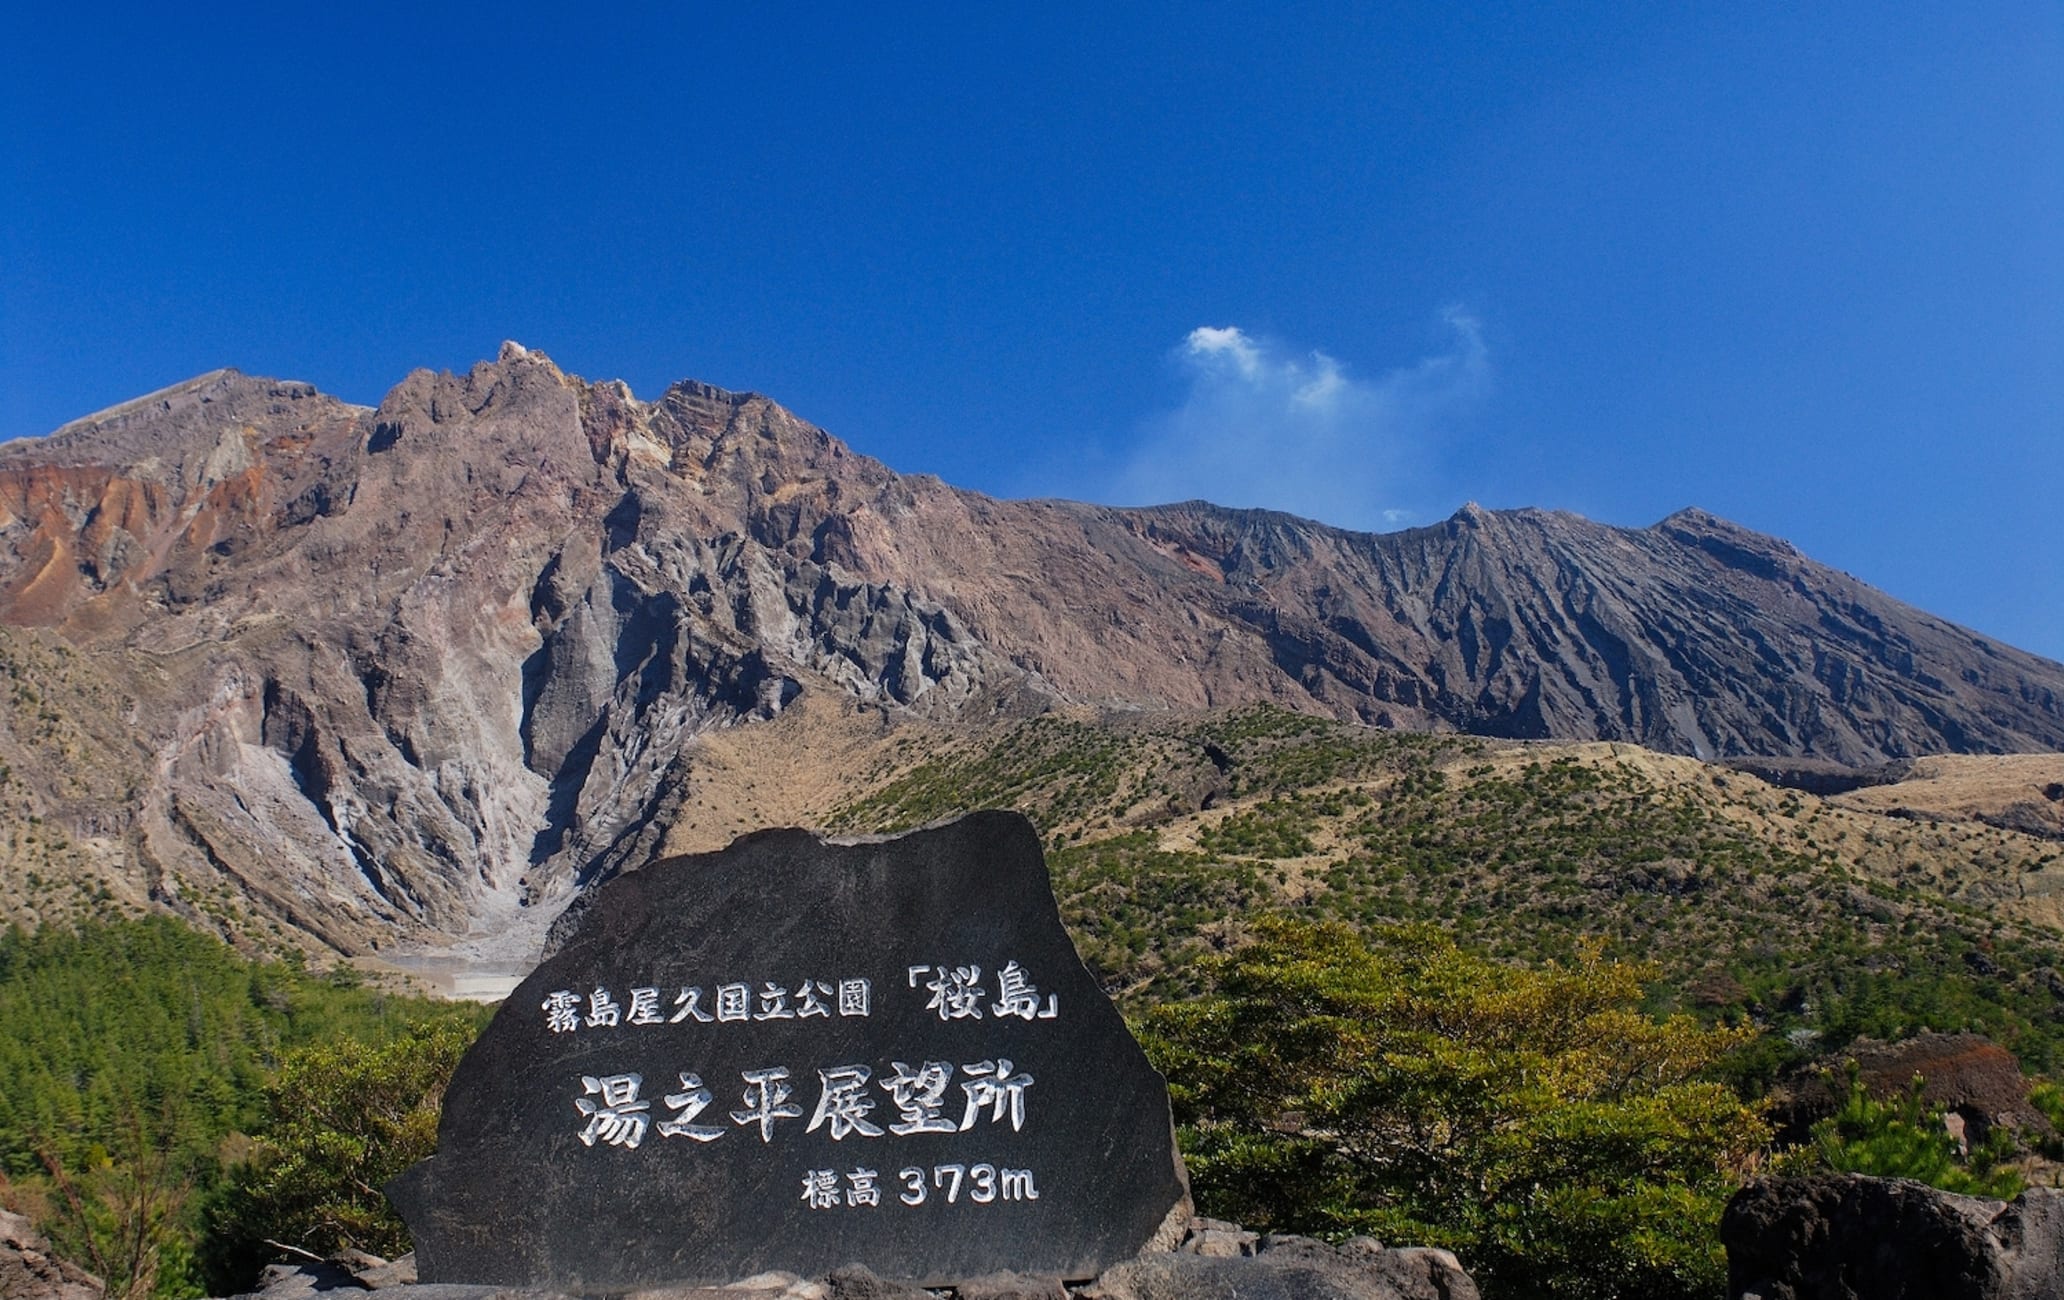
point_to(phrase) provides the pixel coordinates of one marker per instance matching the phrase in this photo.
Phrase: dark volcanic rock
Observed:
(1966, 1073)
(797, 1055)
(1844, 1236)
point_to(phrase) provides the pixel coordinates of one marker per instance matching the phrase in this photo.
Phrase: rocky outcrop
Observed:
(416, 673)
(1840, 1236)
(1973, 1082)
(1966, 1074)
(1289, 1268)
(1214, 1261)
(28, 1271)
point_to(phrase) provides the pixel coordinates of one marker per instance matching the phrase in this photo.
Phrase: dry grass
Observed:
(1972, 787)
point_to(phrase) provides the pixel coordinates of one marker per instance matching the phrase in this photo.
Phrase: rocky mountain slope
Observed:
(414, 673)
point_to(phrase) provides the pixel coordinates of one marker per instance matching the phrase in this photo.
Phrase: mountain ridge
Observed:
(425, 668)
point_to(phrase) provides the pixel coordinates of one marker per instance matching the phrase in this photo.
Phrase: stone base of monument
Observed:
(1214, 1261)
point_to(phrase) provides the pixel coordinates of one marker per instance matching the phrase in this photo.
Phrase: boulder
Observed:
(1841, 1236)
(295, 1281)
(1011, 1286)
(374, 1273)
(1965, 1074)
(1284, 1267)
(802, 1054)
(1200, 1259)
(858, 1282)
(1218, 1239)
(28, 1271)
(1972, 1079)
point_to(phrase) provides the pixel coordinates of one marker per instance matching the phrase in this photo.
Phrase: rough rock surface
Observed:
(1838, 1237)
(1275, 1267)
(1291, 1268)
(28, 1271)
(1965, 1073)
(419, 672)
(1975, 1080)
(1011, 1286)
(374, 1273)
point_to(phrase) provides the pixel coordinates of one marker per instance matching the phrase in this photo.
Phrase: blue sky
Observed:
(1800, 265)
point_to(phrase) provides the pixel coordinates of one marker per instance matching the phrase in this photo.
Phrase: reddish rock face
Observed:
(1968, 1074)
(422, 669)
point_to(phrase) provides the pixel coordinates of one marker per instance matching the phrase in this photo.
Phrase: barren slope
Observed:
(412, 675)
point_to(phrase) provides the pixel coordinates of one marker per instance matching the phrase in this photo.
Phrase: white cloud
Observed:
(1265, 424)
(1208, 344)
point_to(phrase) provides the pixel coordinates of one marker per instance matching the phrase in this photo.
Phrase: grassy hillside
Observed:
(1815, 920)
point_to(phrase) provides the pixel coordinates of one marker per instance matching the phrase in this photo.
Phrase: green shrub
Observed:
(137, 1055)
(1533, 1121)
(343, 1118)
(1904, 1137)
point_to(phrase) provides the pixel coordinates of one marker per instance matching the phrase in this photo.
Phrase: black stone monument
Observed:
(798, 1054)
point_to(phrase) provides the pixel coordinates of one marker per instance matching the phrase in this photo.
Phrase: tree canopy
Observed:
(1535, 1121)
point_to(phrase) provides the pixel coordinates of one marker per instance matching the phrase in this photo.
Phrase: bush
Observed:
(342, 1119)
(1904, 1137)
(1533, 1121)
(122, 1213)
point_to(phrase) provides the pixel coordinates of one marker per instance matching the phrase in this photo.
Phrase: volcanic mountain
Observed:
(424, 669)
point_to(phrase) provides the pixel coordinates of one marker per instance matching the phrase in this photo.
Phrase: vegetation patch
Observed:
(1386, 975)
(138, 1055)
(1534, 1121)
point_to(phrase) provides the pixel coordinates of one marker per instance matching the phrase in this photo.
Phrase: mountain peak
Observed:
(1697, 518)
(455, 654)
(202, 387)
